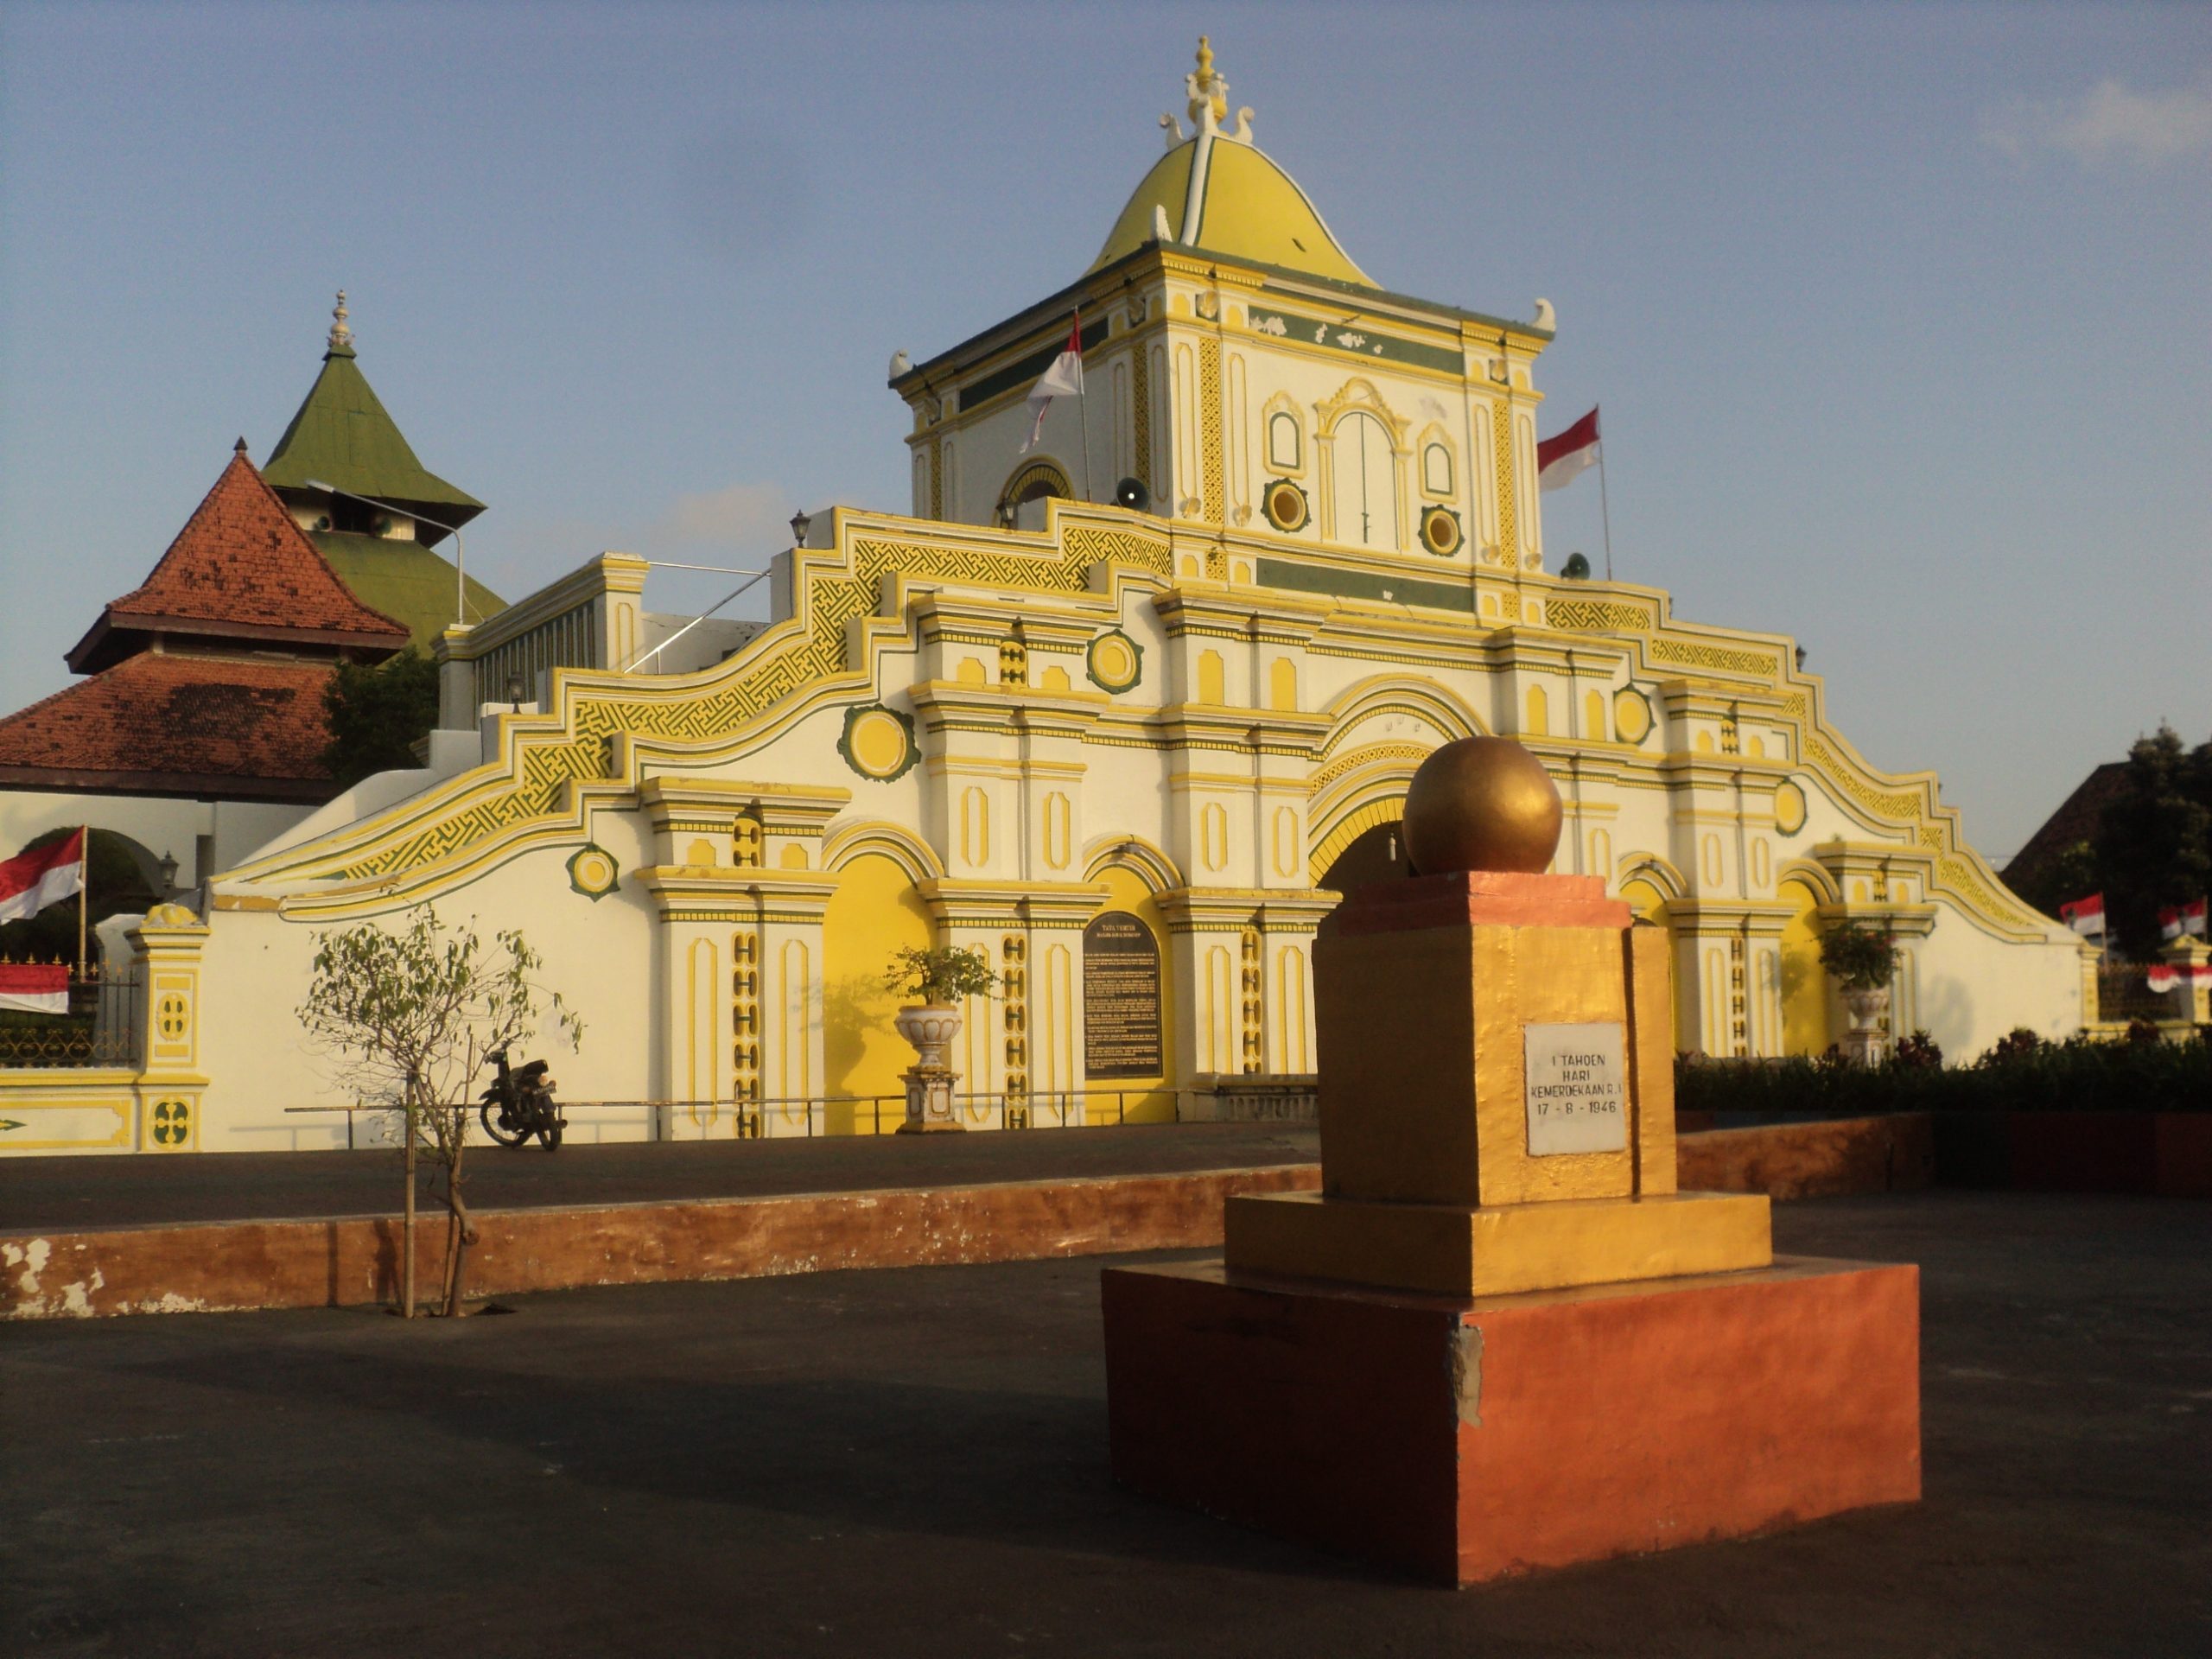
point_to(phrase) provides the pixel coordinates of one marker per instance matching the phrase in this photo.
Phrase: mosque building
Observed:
(1130, 752)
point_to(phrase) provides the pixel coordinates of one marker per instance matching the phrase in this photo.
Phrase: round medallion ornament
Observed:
(1114, 661)
(1440, 532)
(1788, 808)
(878, 742)
(1632, 715)
(592, 871)
(1284, 505)
(1482, 804)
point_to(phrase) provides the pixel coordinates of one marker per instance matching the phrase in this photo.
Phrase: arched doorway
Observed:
(874, 912)
(1804, 982)
(1363, 483)
(1021, 503)
(1379, 855)
(1648, 903)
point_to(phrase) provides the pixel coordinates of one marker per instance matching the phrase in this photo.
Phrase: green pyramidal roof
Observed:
(404, 579)
(342, 435)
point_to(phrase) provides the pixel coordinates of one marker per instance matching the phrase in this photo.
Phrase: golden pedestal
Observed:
(1431, 997)
(1499, 1338)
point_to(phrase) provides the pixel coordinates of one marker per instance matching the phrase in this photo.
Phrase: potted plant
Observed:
(938, 979)
(1861, 957)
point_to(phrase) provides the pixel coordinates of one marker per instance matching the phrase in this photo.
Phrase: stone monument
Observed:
(1499, 1338)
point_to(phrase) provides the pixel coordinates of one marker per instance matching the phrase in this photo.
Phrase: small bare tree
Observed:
(411, 1015)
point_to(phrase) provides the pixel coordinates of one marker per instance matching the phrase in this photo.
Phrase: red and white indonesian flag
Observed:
(35, 987)
(1561, 460)
(31, 881)
(1062, 379)
(2085, 915)
(2164, 975)
(2176, 920)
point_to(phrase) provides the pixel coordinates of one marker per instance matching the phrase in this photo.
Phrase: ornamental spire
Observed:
(1208, 91)
(341, 337)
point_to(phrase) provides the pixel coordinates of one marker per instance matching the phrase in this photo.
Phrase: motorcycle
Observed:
(519, 1103)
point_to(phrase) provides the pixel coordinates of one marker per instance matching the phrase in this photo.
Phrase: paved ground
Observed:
(80, 1194)
(914, 1462)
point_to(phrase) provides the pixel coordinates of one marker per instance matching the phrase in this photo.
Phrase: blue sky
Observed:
(1899, 314)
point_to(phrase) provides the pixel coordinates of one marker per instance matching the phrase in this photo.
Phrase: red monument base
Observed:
(1466, 1440)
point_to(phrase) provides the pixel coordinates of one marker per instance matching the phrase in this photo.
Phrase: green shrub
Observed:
(2021, 1073)
(1918, 1052)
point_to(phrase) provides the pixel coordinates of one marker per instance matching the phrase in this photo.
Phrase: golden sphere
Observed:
(1482, 804)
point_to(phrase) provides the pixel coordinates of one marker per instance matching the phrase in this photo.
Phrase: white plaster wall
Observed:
(258, 968)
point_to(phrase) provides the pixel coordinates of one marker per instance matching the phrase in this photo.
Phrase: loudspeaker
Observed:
(1132, 495)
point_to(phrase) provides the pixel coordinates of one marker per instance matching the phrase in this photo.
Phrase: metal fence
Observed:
(100, 1029)
(2124, 994)
(798, 1117)
(808, 1117)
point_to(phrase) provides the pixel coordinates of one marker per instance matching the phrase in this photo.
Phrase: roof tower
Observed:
(1216, 191)
(343, 435)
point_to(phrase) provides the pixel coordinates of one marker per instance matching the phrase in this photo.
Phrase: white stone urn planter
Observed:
(930, 1028)
(1862, 1044)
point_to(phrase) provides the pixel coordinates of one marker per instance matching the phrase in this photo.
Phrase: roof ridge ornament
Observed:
(341, 337)
(1207, 89)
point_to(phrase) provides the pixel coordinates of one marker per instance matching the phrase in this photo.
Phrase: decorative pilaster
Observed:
(1241, 958)
(738, 995)
(171, 1085)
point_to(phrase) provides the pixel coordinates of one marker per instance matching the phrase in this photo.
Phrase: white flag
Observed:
(1062, 379)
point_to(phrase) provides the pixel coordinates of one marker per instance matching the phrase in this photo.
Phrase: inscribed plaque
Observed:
(1120, 998)
(1577, 1100)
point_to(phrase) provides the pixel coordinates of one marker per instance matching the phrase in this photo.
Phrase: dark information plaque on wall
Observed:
(1121, 999)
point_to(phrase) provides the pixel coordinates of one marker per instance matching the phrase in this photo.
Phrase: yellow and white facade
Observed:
(1008, 713)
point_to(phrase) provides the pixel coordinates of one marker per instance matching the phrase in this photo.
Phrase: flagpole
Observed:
(1605, 506)
(1083, 404)
(1082, 408)
(84, 884)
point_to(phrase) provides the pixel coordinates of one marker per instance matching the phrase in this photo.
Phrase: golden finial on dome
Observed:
(341, 337)
(1209, 91)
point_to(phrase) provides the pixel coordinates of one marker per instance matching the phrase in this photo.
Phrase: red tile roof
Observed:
(239, 568)
(157, 723)
(2075, 821)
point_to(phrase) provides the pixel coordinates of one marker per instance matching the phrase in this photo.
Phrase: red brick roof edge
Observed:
(158, 715)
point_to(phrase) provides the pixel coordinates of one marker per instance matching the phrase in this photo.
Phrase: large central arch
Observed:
(1382, 728)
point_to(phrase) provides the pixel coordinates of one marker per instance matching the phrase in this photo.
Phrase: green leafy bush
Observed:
(943, 975)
